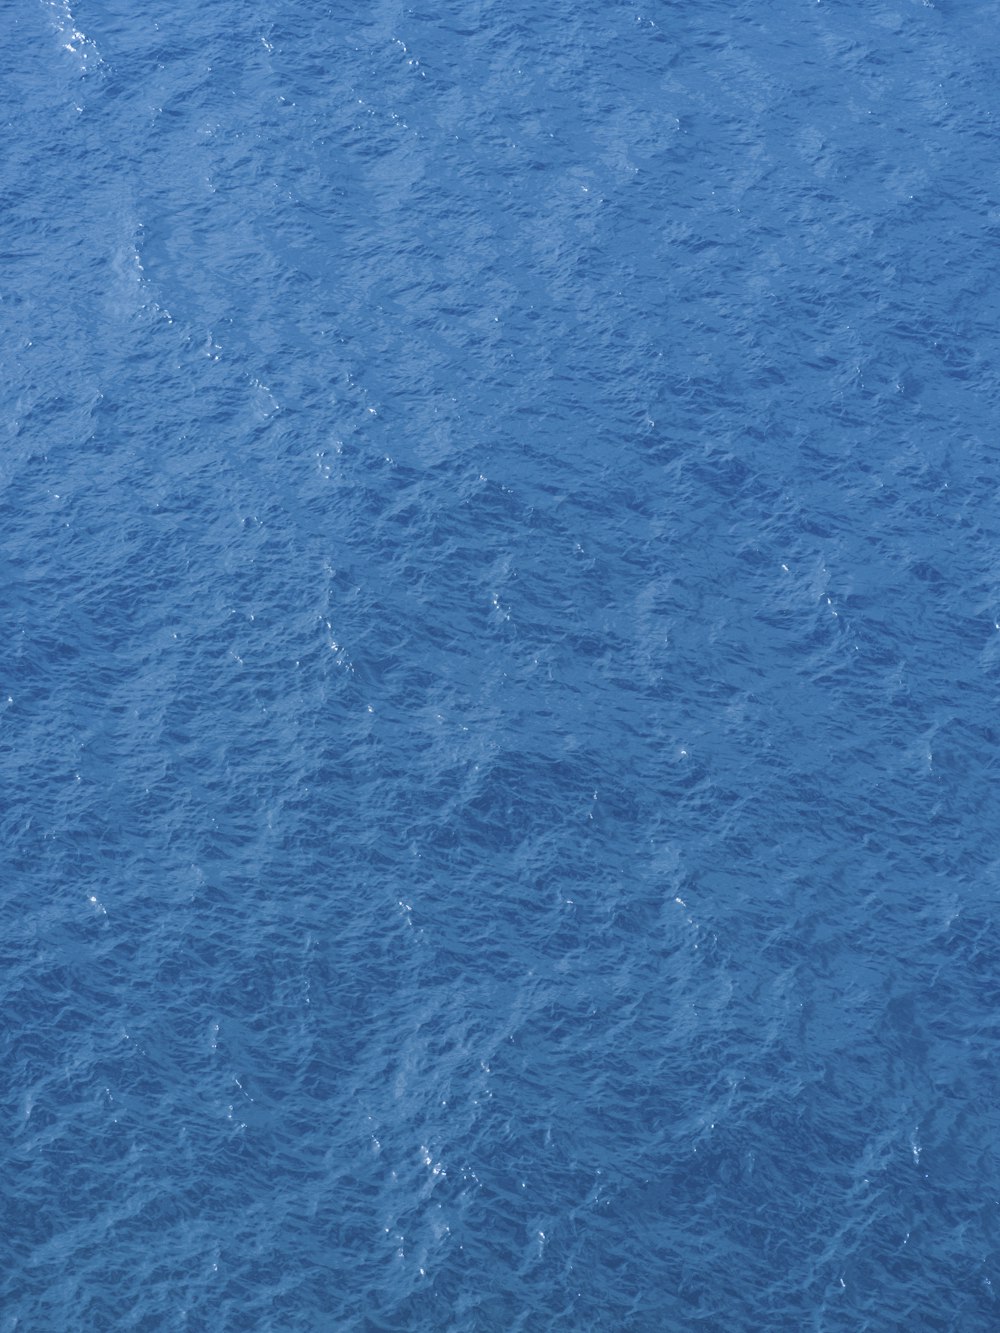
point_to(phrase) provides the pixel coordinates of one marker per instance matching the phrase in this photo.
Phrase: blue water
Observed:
(500, 665)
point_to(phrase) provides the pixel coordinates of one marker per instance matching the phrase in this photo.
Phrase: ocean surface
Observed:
(500, 666)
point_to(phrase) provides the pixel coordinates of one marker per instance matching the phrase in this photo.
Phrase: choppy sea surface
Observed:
(499, 666)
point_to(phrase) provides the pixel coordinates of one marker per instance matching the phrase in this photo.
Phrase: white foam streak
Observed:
(73, 40)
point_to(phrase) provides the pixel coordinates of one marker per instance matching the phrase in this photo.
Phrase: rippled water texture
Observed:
(500, 588)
